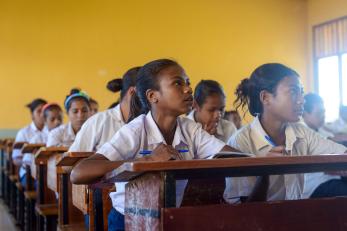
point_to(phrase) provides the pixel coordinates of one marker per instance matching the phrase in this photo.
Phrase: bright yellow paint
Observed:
(47, 47)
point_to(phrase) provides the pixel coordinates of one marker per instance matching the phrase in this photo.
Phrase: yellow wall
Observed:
(47, 47)
(320, 11)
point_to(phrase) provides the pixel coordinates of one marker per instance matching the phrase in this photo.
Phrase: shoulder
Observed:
(136, 125)
(58, 130)
(241, 137)
(228, 126)
(188, 124)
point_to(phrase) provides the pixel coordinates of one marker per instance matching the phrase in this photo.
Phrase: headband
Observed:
(75, 95)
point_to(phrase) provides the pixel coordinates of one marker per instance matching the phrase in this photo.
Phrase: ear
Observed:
(265, 97)
(152, 96)
(132, 91)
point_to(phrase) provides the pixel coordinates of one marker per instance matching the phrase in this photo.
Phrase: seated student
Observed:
(234, 117)
(94, 106)
(164, 92)
(339, 127)
(209, 105)
(274, 96)
(53, 117)
(101, 127)
(77, 107)
(26, 133)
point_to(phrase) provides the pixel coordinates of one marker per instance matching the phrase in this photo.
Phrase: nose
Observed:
(301, 99)
(188, 89)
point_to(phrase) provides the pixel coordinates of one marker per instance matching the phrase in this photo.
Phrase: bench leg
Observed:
(20, 208)
(29, 217)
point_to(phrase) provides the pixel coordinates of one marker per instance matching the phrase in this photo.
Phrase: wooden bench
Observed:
(151, 195)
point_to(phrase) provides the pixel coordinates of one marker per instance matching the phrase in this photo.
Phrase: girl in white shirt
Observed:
(209, 107)
(101, 127)
(77, 107)
(164, 92)
(274, 96)
(53, 116)
(25, 134)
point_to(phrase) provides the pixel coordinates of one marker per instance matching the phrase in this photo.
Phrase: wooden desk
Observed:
(68, 213)
(151, 192)
(39, 166)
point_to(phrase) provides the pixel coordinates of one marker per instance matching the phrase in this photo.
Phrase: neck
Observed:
(311, 125)
(166, 123)
(38, 126)
(274, 128)
(124, 109)
(75, 129)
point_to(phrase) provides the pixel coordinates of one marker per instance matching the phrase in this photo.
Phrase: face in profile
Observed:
(175, 94)
(94, 108)
(37, 116)
(286, 104)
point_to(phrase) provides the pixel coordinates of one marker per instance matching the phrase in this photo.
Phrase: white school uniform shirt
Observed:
(25, 135)
(300, 140)
(338, 126)
(225, 128)
(40, 138)
(62, 136)
(97, 130)
(143, 134)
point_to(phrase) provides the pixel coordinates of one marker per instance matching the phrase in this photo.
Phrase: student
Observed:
(274, 96)
(77, 107)
(101, 127)
(209, 105)
(234, 117)
(94, 106)
(53, 117)
(164, 92)
(339, 126)
(25, 134)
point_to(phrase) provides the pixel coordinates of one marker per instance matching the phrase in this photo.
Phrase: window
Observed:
(330, 57)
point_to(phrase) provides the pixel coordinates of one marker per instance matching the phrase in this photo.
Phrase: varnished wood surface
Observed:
(243, 166)
(71, 158)
(29, 148)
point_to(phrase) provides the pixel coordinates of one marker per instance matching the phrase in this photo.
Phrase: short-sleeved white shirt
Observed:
(143, 134)
(338, 126)
(25, 135)
(97, 130)
(40, 138)
(225, 128)
(300, 140)
(62, 136)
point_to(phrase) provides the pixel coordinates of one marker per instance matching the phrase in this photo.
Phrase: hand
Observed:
(165, 152)
(211, 128)
(276, 151)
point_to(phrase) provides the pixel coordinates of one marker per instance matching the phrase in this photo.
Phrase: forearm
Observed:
(90, 170)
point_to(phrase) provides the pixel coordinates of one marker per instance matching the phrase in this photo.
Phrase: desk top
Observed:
(29, 148)
(70, 158)
(242, 166)
(47, 151)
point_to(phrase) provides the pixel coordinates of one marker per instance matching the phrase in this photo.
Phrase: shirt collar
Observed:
(118, 113)
(155, 136)
(70, 131)
(258, 135)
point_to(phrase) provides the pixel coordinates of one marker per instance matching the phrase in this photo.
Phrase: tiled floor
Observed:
(6, 220)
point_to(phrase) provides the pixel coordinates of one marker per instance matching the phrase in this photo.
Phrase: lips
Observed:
(189, 98)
